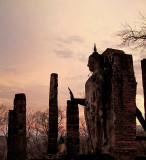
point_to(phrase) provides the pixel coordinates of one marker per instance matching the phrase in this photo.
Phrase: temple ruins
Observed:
(110, 104)
(119, 104)
(110, 112)
(72, 129)
(17, 129)
(53, 114)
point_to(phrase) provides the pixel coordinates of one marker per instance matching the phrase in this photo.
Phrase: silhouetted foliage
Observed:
(4, 120)
(132, 36)
(37, 132)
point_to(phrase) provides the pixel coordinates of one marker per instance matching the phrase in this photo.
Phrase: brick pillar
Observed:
(17, 129)
(120, 104)
(72, 128)
(143, 67)
(12, 136)
(53, 114)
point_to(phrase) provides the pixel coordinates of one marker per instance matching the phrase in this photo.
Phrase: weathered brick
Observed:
(53, 114)
(120, 104)
(17, 129)
(72, 128)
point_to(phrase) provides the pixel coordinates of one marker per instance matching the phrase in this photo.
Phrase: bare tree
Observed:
(132, 36)
(137, 38)
(37, 132)
(37, 127)
(4, 120)
(84, 138)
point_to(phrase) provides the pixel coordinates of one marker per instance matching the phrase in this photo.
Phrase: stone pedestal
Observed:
(72, 129)
(17, 129)
(53, 114)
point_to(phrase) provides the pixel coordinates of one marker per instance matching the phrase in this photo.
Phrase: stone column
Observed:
(53, 114)
(72, 129)
(143, 67)
(17, 129)
(120, 104)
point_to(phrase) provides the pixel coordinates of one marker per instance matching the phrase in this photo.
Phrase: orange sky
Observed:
(39, 37)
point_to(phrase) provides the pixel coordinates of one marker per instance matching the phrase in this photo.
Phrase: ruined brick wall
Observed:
(143, 68)
(17, 129)
(53, 114)
(72, 128)
(119, 104)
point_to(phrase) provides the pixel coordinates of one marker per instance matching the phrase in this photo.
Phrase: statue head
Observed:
(94, 61)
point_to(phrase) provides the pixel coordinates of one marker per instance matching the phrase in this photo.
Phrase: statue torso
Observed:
(93, 108)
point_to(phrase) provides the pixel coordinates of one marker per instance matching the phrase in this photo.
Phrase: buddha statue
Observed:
(93, 108)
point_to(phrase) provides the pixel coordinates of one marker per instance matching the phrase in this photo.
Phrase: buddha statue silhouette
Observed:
(93, 109)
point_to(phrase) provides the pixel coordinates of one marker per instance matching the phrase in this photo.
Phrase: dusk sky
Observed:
(40, 37)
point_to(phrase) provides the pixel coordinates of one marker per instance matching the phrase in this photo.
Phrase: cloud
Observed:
(72, 39)
(64, 53)
(40, 92)
(6, 92)
(66, 40)
(79, 77)
(9, 70)
(82, 58)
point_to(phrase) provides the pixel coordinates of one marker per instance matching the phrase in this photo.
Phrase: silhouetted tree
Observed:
(37, 132)
(4, 119)
(134, 37)
(84, 144)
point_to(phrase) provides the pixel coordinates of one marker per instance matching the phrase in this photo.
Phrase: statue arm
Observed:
(80, 101)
